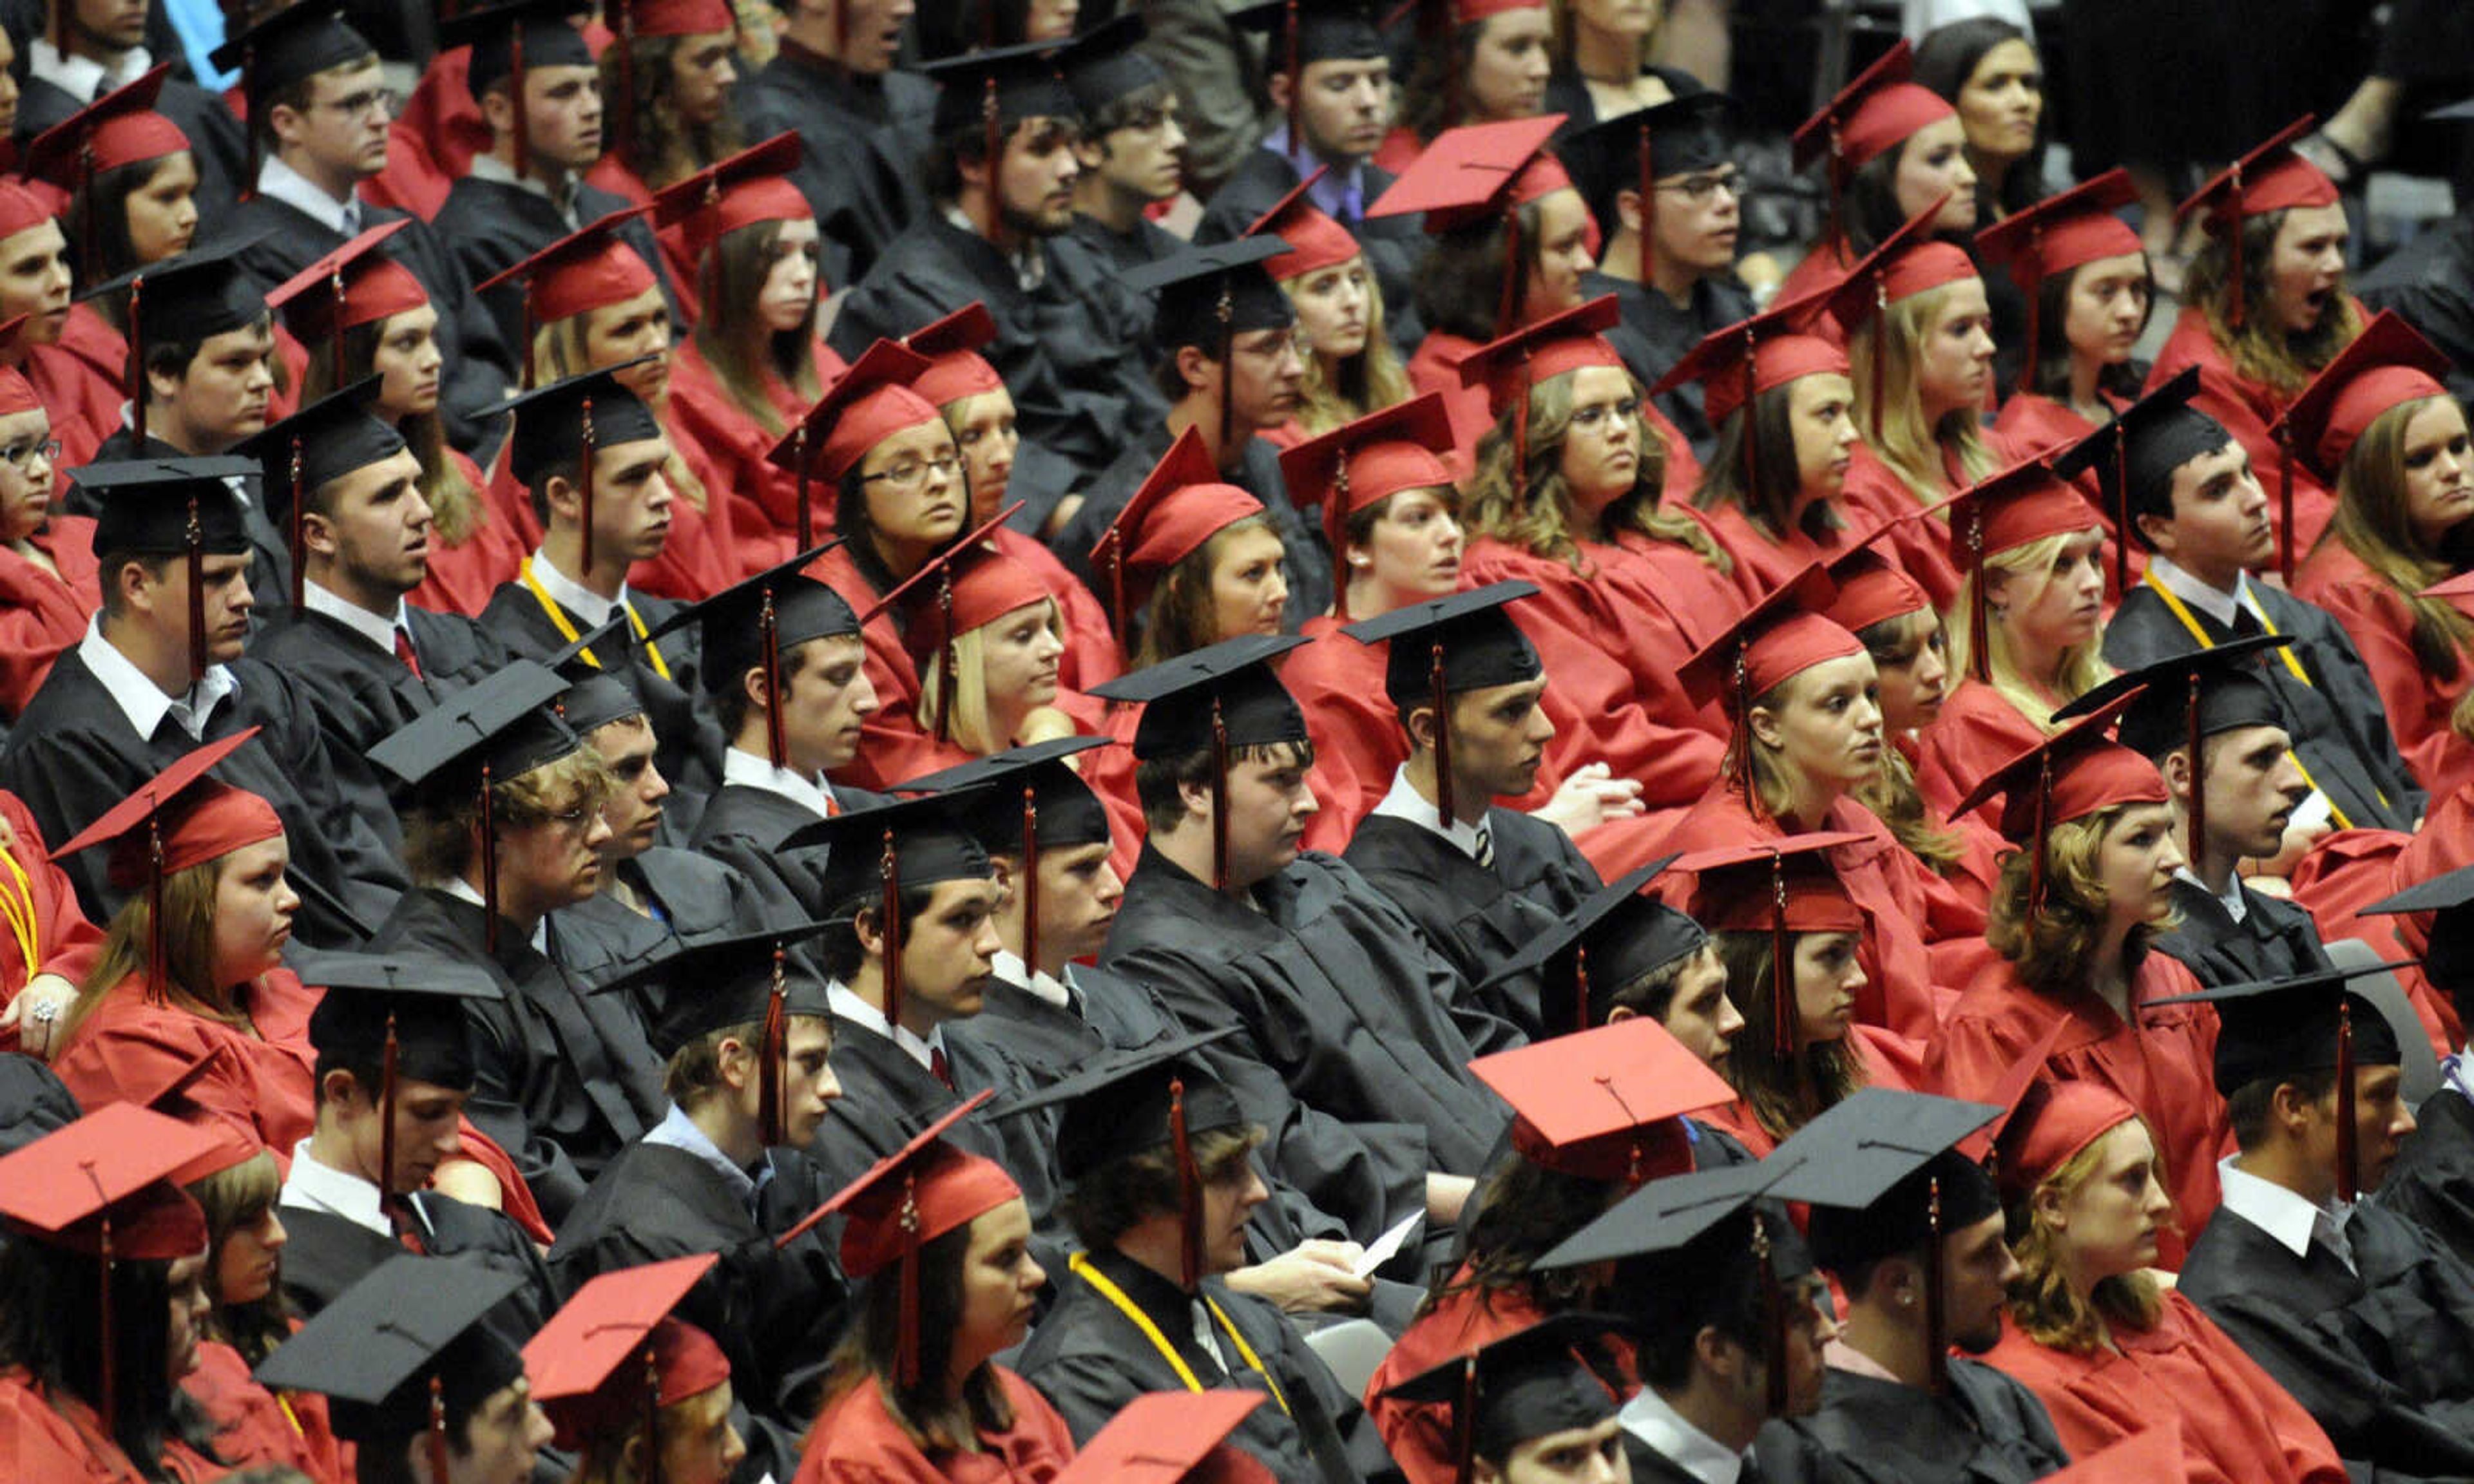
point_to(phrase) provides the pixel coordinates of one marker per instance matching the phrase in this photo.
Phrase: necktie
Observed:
(405, 652)
(407, 1227)
(1484, 844)
(938, 1069)
(352, 218)
(2246, 624)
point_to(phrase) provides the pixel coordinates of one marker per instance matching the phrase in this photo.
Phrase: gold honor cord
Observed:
(568, 632)
(1099, 1283)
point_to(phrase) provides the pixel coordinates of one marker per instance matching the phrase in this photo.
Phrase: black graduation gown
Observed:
(2338, 724)
(476, 366)
(743, 827)
(1089, 1360)
(1304, 547)
(1122, 252)
(1065, 348)
(862, 138)
(2274, 940)
(2382, 1357)
(566, 1079)
(216, 139)
(2431, 1183)
(493, 226)
(1346, 1050)
(1653, 334)
(1649, 1466)
(270, 566)
(2430, 281)
(73, 755)
(323, 1253)
(1395, 245)
(1986, 1429)
(887, 1099)
(1478, 917)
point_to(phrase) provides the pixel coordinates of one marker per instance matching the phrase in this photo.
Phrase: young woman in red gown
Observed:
(1352, 369)
(666, 93)
(47, 563)
(1893, 148)
(1491, 64)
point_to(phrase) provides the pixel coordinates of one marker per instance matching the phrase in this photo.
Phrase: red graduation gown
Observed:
(889, 670)
(2029, 425)
(1889, 1061)
(256, 1428)
(59, 1440)
(1876, 494)
(2239, 1426)
(64, 941)
(1827, 264)
(2380, 621)
(1979, 730)
(85, 407)
(99, 347)
(2246, 408)
(462, 577)
(1357, 738)
(260, 1086)
(854, 1441)
(765, 500)
(2160, 1066)
(41, 615)
(1764, 564)
(1436, 366)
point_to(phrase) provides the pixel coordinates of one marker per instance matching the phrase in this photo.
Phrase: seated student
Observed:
(89, 1392)
(636, 1392)
(1132, 152)
(1234, 373)
(1478, 879)
(96, 729)
(365, 1184)
(447, 1404)
(1478, 61)
(2187, 490)
(359, 312)
(1355, 1035)
(2089, 295)
(1668, 256)
(505, 829)
(2106, 1348)
(48, 578)
(48, 941)
(75, 51)
(1353, 367)
(2356, 1311)
(2073, 917)
(723, 1172)
(1892, 147)
(667, 103)
(1544, 1411)
(1923, 1269)
(997, 230)
(1161, 1190)
(1190, 561)
(935, 1232)
(36, 279)
(2426, 1185)
(311, 86)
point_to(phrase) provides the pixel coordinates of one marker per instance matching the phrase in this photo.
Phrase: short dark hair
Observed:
(109, 569)
(1126, 110)
(1653, 994)
(174, 357)
(1160, 783)
(837, 947)
(2251, 1106)
(1109, 1202)
(295, 95)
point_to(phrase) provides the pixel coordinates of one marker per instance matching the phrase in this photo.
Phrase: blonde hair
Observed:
(439, 843)
(1366, 382)
(2051, 945)
(2042, 1301)
(970, 726)
(1526, 509)
(558, 353)
(188, 945)
(1917, 451)
(2029, 569)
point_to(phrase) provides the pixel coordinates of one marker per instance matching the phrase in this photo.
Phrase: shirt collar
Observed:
(2293, 1221)
(679, 1132)
(2236, 906)
(283, 183)
(376, 628)
(1839, 1356)
(847, 1004)
(465, 891)
(1667, 1433)
(750, 771)
(581, 601)
(1010, 968)
(314, 1186)
(1405, 804)
(1340, 193)
(2215, 602)
(82, 77)
(491, 168)
(1029, 263)
(142, 700)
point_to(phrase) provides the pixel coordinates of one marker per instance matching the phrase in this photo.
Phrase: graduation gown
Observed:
(854, 1442)
(73, 754)
(42, 615)
(2158, 1062)
(744, 826)
(1764, 563)
(1986, 1429)
(491, 225)
(1478, 917)
(463, 576)
(1978, 731)
(565, 1078)
(2431, 1183)
(327, 1254)
(1089, 1358)
(1875, 494)
(61, 938)
(2416, 700)
(1656, 332)
(1122, 252)
(2338, 721)
(58, 1439)
(1350, 1049)
(2239, 1426)
(859, 138)
(763, 500)
(2275, 939)
(2380, 1355)
(887, 1097)
(1061, 346)
(254, 1428)
(270, 568)
(1395, 245)
(261, 1087)
(2246, 408)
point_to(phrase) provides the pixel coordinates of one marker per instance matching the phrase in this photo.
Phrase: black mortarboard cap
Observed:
(403, 1351)
(1479, 644)
(144, 505)
(593, 697)
(1022, 79)
(547, 28)
(1303, 32)
(1194, 285)
(551, 420)
(722, 983)
(504, 722)
(928, 846)
(1119, 1105)
(2135, 453)
(1068, 812)
(1233, 682)
(1675, 1217)
(2448, 956)
(1614, 938)
(335, 434)
(2282, 1028)
(1868, 1162)
(1696, 132)
(1106, 63)
(196, 293)
(289, 46)
(416, 997)
(2183, 700)
(1524, 1385)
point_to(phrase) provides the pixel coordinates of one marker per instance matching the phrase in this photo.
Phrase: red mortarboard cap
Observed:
(2004, 510)
(120, 128)
(589, 269)
(1182, 503)
(114, 1166)
(2385, 365)
(1164, 1436)
(956, 368)
(2271, 178)
(198, 818)
(589, 1365)
(1780, 345)
(749, 187)
(911, 1199)
(1559, 343)
(1316, 241)
(1601, 1104)
(1872, 588)
(21, 209)
(2087, 770)
(361, 285)
(16, 394)
(1781, 635)
(673, 18)
(2056, 1120)
(2064, 231)
(868, 404)
(1908, 262)
(1476, 171)
(967, 586)
(2011, 1091)
(1369, 461)
(1735, 888)
(1876, 111)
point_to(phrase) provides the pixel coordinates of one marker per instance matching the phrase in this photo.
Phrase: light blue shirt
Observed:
(677, 1131)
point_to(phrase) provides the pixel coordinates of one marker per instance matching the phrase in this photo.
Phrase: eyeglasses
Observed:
(911, 473)
(1701, 187)
(1596, 413)
(360, 104)
(18, 453)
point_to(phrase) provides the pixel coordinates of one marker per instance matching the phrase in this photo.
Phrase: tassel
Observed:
(1520, 427)
(1936, 1321)
(388, 1075)
(2198, 813)
(1752, 425)
(1030, 878)
(2036, 858)
(624, 136)
(89, 265)
(1739, 741)
(523, 130)
(584, 501)
(1226, 312)
(2285, 502)
(438, 1467)
(769, 1092)
(1297, 84)
(1219, 798)
(1464, 1423)
(799, 458)
(1773, 1320)
(196, 541)
(157, 960)
(1340, 496)
(2233, 230)
(1644, 164)
(1881, 352)
(652, 1415)
(108, 1407)
(1515, 276)
(1111, 559)
(2348, 1154)
(951, 654)
(489, 864)
(992, 140)
(777, 747)
(1581, 985)
(139, 392)
(1441, 700)
(1980, 627)
(890, 909)
(906, 1349)
(300, 518)
(1189, 1189)
(335, 325)
(1835, 236)
(249, 90)
(1782, 1011)
(2120, 514)
(2035, 294)
(532, 330)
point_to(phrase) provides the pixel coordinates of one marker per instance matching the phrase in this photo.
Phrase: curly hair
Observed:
(1424, 99)
(659, 146)
(2372, 522)
(1528, 509)
(2042, 1301)
(1784, 1093)
(2264, 351)
(2050, 947)
(439, 840)
(2027, 569)
(1917, 451)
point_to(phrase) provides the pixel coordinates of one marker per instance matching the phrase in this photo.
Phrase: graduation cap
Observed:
(494, 730)
(22, 208)
(103, 1187)
(2135, 452)
(1514, 362)
(1521, 1386)
(593, 697)
(2448, 953)
(2308, 1023)
(1162, 1437)
(2055, 1122)
(283, 50)
(509, 37)
(575, 418)
(631, 19)
(2272, 177)
(330, 437)
(1360, 464)
(967, 586)
(1021, 802)
(870, 401)
(354, 285)
(1615, 936)
(1604, 1103)
(119, 129)
(1476, 173)
(952, 344)
(998, 88)
(2068, 776)
(1884, 1175)
(179, 819)
(169, 508)
(402, 1353)
(1737, 364)
(902, 1203)
(1210, 294)
(1908, 262)
(722, 983)
(1316, 241)
(1106, 63)
(615, 1355)
(1873, 588)
(1181, 504)
(2057, 234)
(1635, 151)
(1782, 634)
(1779, 887)
(590, 268)
(202, 293)
(1446, 646)
(750, 187)
(1876, 111)
(1297, 33)
(2003, 512)
(888, 848)
(754, 621)
(403, 1013)
(1221, 698)
(2387, 365)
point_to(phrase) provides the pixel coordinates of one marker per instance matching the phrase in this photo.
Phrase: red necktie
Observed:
(405, 652)
(939, 1070)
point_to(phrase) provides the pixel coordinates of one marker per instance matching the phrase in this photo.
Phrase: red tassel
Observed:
(624, 133)
(387, 1078)
(137, 360)
(1227, 311)
(247, 90)
(2233, 230)
(1110, 558)
(799, 457)
(1647, 166)
(1773, 1320)
(2285, 502)
(299, 518)
(1297, 85)
(769, 1092)
(1189, 1189)
(1980, 627)
(1219, 798)
(523, 130)
(992, 139)
(1880, 352)
(1440, 699)
(776, 745)
(1782, 1011)
(1739, 740)
(652, 1416)
(90, 266)
(584, 537)
(1752, 425)
(336, 325)
(2035, 294)
(2120, 515)
(890, 909)
(952, 654)
(1835, 237)
(438, 1467)
(1340, 496)
(1520, 426)
(2036, 858)
(157, 960)
(906, 1349)
(1936, 1321)
(1464, 1423)
(489, 864)
(108, 1407)
(1515, 276)
(2348, 1155)
(1581, 987)
(195, 540)
(2198, 811)
(1030, 878)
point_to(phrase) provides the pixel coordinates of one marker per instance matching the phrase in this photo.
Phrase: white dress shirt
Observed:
(575, 597)
(846, 1003)
(2293, 1222)
(1404, 803)
(142, 700)
(749, 770)
(281, 183)
(1648, 1418)
(376, 628)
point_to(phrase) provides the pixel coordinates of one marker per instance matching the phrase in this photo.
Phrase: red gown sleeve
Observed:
(1874, 495)
(2378, 619)
(41, 615)
(65, 943)
(1979, 730)
(253, 1426)
(462, 577)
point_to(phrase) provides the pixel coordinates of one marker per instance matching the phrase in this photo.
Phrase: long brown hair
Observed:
(659, 146)
(1784, 1093)
(2262, 350)
(188, 945)
(1527, 509)
(2051, 948)
(2371, 522)
(871, 1346)
(732, 336)
(1891, 792)
(456, 510)
(1769, 423)
(234, 1197)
